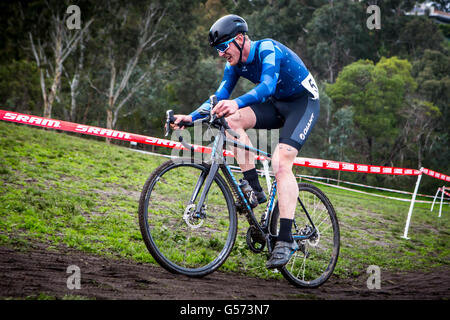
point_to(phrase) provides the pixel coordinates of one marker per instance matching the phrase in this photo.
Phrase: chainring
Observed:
(255, 242)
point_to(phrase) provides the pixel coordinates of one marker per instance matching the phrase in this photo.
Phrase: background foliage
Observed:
(384, 93)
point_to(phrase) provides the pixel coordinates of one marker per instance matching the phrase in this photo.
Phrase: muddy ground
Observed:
(35, 271)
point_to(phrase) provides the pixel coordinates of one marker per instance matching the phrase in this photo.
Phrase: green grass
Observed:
(64, 190)
(372, 230)
(45, 296)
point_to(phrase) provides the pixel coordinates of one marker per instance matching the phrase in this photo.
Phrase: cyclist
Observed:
(285, 96)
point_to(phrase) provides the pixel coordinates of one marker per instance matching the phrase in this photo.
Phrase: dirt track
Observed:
(40, 271)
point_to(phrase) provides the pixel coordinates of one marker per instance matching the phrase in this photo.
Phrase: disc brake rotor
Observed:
(188, 217)
(314, 241)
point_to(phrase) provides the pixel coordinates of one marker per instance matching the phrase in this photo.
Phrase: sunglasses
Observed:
(222, 47)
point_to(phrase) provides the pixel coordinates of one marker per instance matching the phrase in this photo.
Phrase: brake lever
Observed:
(169, 119)
(212, 102)
(213, 117)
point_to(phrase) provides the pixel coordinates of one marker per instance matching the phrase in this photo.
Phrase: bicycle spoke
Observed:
(322, 231)
(320, 224)
(304, 267)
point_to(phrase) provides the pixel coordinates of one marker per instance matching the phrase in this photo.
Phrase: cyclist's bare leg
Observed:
(240, 121)
(287, 188)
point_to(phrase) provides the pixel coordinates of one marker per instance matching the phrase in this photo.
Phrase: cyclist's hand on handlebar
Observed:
(178, 119)
(225, 108)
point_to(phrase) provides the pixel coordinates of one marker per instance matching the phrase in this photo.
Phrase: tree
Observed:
(74, 81)
(125, 74)
(62, 42)
(19, 86)
(341, 134)
(432, 73)
(337, 35)
(419, 34)
(421, 121)
(377, 93)
(198, 70)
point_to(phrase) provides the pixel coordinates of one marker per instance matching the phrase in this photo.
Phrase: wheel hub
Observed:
(314, 239)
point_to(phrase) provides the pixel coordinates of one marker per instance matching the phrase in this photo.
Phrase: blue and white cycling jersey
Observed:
(276, 70)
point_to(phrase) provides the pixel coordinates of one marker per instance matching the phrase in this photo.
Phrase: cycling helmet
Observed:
(226, 28)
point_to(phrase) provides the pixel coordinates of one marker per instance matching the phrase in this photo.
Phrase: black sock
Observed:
(285, 230)
(252, 177)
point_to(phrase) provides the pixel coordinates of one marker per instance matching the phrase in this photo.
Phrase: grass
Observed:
(46, 296)
(64, 190)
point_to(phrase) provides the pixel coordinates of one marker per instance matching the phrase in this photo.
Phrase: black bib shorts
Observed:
(295, 116)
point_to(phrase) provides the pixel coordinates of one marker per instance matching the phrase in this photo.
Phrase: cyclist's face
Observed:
(232, 53)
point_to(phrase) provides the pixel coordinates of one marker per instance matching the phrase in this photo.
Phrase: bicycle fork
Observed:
(206, 180)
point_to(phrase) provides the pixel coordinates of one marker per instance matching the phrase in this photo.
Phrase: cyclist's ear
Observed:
(240, 38)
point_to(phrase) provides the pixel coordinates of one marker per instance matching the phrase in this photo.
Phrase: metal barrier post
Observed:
(442, 199)
(267, 174)
(411, 207)
(434, 200)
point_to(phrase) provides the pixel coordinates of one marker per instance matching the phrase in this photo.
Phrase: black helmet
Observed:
(226, 28)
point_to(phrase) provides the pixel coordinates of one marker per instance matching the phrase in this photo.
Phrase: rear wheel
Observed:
(316, 259)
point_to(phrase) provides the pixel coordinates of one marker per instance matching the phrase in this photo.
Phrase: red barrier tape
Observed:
(443, 190)
(114, 134)
(436, 175)
(353, 167)
(94, 131)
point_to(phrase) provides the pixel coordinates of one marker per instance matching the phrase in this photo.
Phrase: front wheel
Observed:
(178, 239)
(316, 259)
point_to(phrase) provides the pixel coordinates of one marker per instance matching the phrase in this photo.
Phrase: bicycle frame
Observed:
(218, 161)
(172, 250)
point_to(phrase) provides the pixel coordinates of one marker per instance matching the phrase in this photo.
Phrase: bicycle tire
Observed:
(162, 245)
(310, 253)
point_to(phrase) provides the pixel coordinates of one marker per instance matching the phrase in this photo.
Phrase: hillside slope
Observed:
(66, 191)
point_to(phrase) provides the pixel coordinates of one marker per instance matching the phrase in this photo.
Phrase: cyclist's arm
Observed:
(227, 85)
(270, 58)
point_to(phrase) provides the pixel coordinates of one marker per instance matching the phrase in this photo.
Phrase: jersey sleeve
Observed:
(229, 80)
(270, 60)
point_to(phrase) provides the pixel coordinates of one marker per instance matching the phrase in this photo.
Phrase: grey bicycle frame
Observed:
(217, 161)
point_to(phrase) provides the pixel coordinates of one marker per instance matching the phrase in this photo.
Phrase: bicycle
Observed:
(188, 215)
